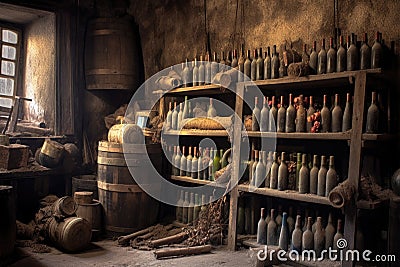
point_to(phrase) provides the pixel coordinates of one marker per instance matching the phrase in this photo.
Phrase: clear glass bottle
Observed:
(207, 69)
(202, 72)
(185, 113)
(180, 116)
(281, 117)
(168, 120)
(200, 164)
(185, 75)
(322, 59)
(234, 63)
(331, 58)
(337, 116)
(290, 126)
(253, 168)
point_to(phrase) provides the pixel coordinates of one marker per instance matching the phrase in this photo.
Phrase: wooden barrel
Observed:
(72, 234)
(7, 221)
(93, 214)
(111, 54)
(84, 197)
(126, 134)
(85, 183)
(126, 207)
(64, 206)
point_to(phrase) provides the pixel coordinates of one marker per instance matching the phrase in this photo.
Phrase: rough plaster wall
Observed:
(172, 30)
(39, 81)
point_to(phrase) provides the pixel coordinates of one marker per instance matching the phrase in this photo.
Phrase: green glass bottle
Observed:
(217, 162)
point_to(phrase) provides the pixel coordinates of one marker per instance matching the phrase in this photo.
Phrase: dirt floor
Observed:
(107, 253)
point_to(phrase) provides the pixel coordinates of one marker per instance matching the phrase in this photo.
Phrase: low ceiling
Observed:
(19, 14)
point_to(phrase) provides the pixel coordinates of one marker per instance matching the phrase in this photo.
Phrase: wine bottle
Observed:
(259, 176)
(250, 166)
(168, 120)
(322, 59)
(301, 116)
(264, 116)
(331, 176)
(228, 60)
(183, 163)
(314, 176)
(185, 208)
(283, 173)
(206, 163)
(177, 162)
(298, 167)
(185, 75)
(241, 61)
(202, 72)
(365, 54)
(304, 176)
(331, 58)
(174, 118)
(247, 67)
(207, 69)
(376, 53)
(214, 66)
(268, 168)
(347, 115)
(307, 242)
(337, 116)
(216, 163)
(297, 235)
(180, 116)
(173, 164)
(260, 65)
(255, 118)
(325, 116)
(195, 73)
(253, 168)
(211, 164)
(273, 113)
(274, 172)
(319, 238)
(267, 64)
(194, 164)
(211, 112)
(329, 233)
(305, 57)
(341, 59)
(313, 59)
(253, 66)
(284, 233)
(262, 230)
(197, 207)
(290, 126)
(224, 161)
(189, 158)
(272, 228)
(179, 207)
(200, 169)
(338, 235)
(190, 208)
(321, 186)
(281, 117)
(222, 63)
(352, 54)
(372, 116)
(274, 64)
(310, 111)
(234, 63)
(185, 113)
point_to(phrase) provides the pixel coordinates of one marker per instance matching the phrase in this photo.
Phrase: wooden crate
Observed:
(13, 156)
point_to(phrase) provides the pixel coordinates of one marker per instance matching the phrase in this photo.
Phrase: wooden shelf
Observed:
(199, 90)
(379, 137)
(188, 179)
(287, 194)
(312, 81)
(302, 136)
(196, 132)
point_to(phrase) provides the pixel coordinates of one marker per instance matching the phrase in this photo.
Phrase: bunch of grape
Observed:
(315, 119)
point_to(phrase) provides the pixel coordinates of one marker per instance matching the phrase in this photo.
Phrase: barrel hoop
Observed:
(121, 162)
(128, 148)
(119, 229)
(122, 188)
(106, 71)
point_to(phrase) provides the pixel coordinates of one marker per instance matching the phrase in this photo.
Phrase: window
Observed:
(10, 44)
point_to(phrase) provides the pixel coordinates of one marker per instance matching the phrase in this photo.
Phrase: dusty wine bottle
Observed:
(290, 126)
(321, 186)
(274, 64)
(247, 67)
(372, 116)
(365, 54)
(264, 116)
(281, 117)
(322, 59)
(341, 59)
(347, 114)
(310, 111)
(300, 116)
(352, 54)
(262, 230)
(260, 65)
(273, 112)
(253, 71)
(376, 53)
(314, 176)
(304, 176)
(313, 59)
(325, 116)
(331, 176)
(331, 58)
(283, 173)
(337, 116)
(267, 64)
(255, 118)
(274, 172)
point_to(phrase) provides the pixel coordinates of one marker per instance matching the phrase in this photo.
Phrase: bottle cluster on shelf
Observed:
(183, 111)
(303, 115)
(298, 233)
(201, 164)
(189, 206)
(283, 173)
(256, 65)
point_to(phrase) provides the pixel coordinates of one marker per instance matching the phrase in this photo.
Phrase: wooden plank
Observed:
(312, 136)
(234, 195)
(196, 132)
(188, 179)
(202, 89)
(355, 158)
(287, 194)
(379, 137)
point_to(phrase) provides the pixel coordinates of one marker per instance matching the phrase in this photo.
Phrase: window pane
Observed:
(5, 102)
(7, 86)
(10, 37)
(8, 52)
(7, 68)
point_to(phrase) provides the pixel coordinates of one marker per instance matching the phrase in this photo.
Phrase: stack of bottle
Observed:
(183, 111)
(199, 163)
(256, 65)
(278, 173)
(289, 233)
(303, 116)
(189, 206)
